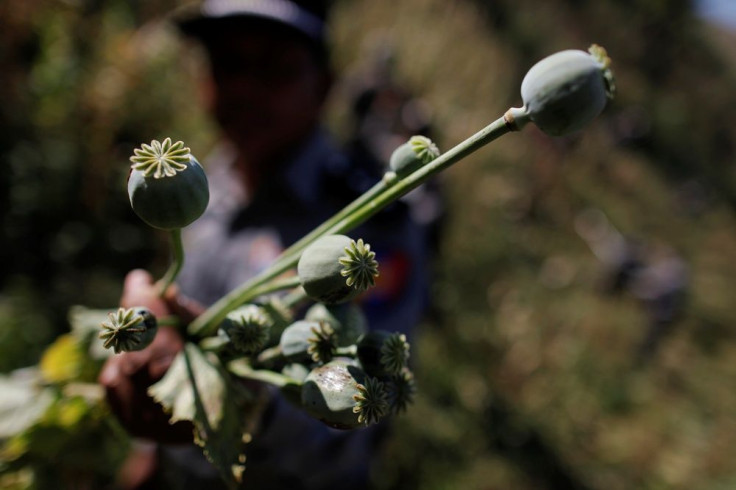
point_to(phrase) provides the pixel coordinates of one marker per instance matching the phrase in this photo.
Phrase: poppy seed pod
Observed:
(129, 329)
(247, 328)
(167, 186)
(383, 353)
(296, 341)
(417, 151)
(565, 91)
(335, 269)
(330, 393)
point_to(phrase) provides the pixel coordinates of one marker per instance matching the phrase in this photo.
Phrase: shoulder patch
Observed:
(393, 276)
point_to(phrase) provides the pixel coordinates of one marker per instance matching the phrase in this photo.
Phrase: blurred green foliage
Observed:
(83, 85)
(534, 372)
(531, 369)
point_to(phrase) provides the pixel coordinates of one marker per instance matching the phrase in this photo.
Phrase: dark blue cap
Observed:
(305, 16)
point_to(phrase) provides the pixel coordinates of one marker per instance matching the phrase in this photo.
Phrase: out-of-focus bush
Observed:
(531, 369)
(83, 83)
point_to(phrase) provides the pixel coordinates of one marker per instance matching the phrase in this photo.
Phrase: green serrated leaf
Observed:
(198, 389)
(176, 393)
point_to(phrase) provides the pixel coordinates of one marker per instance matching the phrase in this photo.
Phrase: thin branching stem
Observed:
(353, 215)
(177, 262)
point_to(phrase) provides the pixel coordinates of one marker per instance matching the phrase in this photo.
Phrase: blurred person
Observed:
(385, 114)
(275, 176)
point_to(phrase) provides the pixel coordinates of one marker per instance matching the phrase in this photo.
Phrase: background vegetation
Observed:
(540, 366)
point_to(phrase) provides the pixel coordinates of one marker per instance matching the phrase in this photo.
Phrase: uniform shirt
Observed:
(239, 236)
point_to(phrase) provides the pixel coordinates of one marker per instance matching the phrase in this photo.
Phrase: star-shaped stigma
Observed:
(395, 353)
(424, 148)
(360, 267)
(247, 327)
(401, 391)
(322, 343)
(128, 329)
(600, 54)
(371, 401)
(161, 159)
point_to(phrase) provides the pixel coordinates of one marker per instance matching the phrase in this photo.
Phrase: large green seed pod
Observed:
(565, 91)
(129, 329)
(167, 186)
(335, 269)
(346, 319)
(416, 152)
(329, 391)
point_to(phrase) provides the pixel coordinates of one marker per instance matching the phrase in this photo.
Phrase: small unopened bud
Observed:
(418, 151)
(297, 340)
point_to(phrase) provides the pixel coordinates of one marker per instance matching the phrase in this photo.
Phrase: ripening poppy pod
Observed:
(565, 91)
(296, 340)
(335, 269)
(167, 186)
(128, 330)
(383, 353)
(341, 395)
(246, 328)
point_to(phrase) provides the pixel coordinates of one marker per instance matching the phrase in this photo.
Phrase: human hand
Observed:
(127, 376)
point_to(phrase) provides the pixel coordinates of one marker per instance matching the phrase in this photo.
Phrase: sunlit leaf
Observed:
(23, 401)
(85, 326)
(177, 395)
(197, 388)
(63, 360)
(68, 412)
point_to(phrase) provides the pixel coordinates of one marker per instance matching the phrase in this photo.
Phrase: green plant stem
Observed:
(271, 354)
(274, 353)
(295, 298)
(298, 246)
(168, 321)
(205, 324)
(242, 369)
(177, 262)
(347, 351)
(213, 344)
(277, 285)
(201, 417)
(357, 212)
(419, 176)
